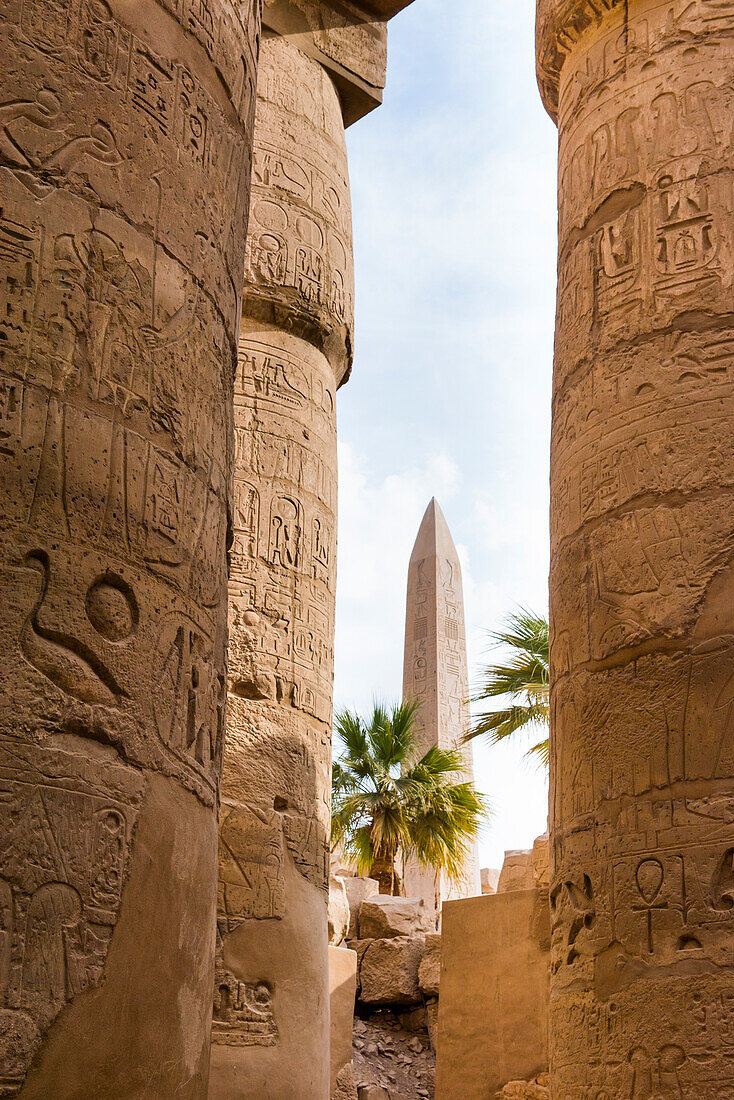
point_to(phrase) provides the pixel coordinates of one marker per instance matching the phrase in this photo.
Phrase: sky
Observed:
(453, 188)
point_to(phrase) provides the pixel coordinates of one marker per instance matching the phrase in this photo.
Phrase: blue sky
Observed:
(453, 186)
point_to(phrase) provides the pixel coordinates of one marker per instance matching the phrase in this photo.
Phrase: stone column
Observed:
(271, 1008)
(125, 141)
(642, 574)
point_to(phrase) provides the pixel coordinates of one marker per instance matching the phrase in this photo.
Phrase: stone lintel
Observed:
(559, 25)
(348, 39)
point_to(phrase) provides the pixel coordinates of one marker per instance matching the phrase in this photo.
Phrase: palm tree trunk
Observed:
(383, 870)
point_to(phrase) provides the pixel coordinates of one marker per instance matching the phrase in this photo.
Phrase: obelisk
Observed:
(435, 675)
(642, 549)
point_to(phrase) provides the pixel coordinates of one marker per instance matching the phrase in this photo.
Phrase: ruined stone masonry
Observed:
(321, 66)
(435, 676)
(642, 575)
(125, 156)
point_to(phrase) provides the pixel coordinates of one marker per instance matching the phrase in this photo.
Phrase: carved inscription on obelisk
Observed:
(125, 139)
(435, 676)
(642, 581)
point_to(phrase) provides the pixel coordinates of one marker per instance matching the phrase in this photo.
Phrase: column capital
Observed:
(559, 25)
(348, 38)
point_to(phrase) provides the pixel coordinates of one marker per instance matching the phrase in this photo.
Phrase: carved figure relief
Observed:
(641, 450)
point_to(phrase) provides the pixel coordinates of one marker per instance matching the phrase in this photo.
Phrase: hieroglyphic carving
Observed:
(243, 1011)
(251, 881)
(642, 474)
(299, 247)
(294, 349)
(65, 850)
(125, 143)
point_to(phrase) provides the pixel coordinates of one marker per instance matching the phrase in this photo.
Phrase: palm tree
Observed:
(524, 678)
(384, 800)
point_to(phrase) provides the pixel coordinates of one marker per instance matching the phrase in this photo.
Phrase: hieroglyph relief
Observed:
(299, 246)
(283, 554)
(64, 853)
(642, 550)
(114, 346)
(125, 148)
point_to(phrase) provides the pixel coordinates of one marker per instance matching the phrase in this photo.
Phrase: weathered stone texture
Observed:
(642, 580)
(125, 152)
(358, 890)
(489, 878)
(517, 871)
(295, 348)
(429, 971)
(388, 971)
(493, 1007)
(338, 912)
(384, 917)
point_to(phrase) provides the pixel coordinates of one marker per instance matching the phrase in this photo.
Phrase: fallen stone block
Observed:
(384, 917)
(358, 889)
(389, 972)
(429, 972)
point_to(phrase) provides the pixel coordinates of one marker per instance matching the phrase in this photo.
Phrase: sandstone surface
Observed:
(523, 1090)
(358, 889)
(518, 871)
(321, 66)
(342, 995)
(493, 1007)
(490, 878)
(429, 972)
(642, 545)
(125, 138)
(384, 917)
(338, 911)
(389, 971)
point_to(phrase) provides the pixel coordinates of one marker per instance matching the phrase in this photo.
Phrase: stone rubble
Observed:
(390, 1061)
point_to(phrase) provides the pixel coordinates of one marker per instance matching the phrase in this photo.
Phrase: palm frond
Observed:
(384, 800)
(500, 724)
(523, 678)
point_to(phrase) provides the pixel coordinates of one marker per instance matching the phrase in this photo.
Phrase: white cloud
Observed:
(378, 523)
(455, 235)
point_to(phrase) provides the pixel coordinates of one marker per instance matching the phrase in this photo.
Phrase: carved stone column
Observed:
(271, 1012)
(642, 573)
(125, 142)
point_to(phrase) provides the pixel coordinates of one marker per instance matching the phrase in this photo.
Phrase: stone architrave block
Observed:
(338, 911)
(518, 871)
(384, 917)
(429, 972)
(389, 971)
(358, 890)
